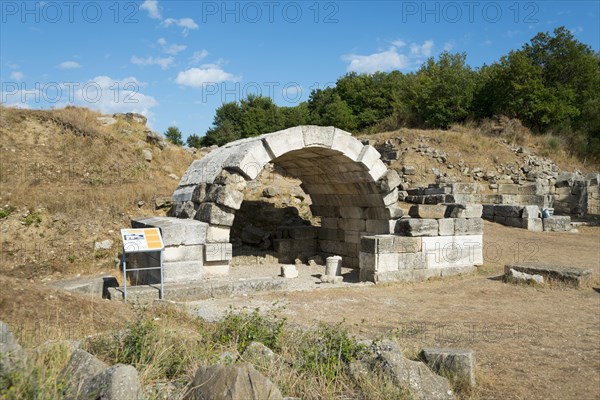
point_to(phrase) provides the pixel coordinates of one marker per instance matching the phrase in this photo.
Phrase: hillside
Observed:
(72, 177)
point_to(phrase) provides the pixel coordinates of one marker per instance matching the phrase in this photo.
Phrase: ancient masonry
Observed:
(351, 190)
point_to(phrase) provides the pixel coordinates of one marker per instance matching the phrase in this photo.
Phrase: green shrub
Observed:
(33, 218)
(243, 328)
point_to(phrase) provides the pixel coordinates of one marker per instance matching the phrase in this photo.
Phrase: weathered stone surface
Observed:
(446, 227)
(258, 351)
(232, 382)
(12, 354)
(183, 253)
(521, 277)
(427, 211)
(568, 275)
(557, 223)
(453, 251)
(215, 214)
(458, 362)
(468, 226)
(224, 195)
(175, 231)
(118, 382)
(80, 370)
(218, 252)
(502, 210)
(464, 210)
(417, 227)
(532, 224)
(417, 377)
(389, 181)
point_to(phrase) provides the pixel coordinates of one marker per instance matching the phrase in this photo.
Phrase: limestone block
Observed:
(427, 211)
(224, 195)
(289, 271)
(216, 268)
(488, 211)
(284, 141)
(352, 224)
(557, 223)
(248, 159)
(464, 188)
(417, 227)
(446, 227)
(181, 271)
(218, 252)
(217, 234)
(459, 362)
(508, 188)
(319, 136)
(453, 251)
(412, 261)
(389, 181)
(532, 224)
(464, 210)
(378, 226)
(389, 199)
(468, 226)
(175, 231)
(215, 214)
(502, 210)
(183, 253)
(351, 212)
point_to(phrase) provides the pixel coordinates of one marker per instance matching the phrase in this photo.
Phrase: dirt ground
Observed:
(530, 342)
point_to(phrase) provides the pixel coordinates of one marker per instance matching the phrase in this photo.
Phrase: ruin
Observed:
(351, 189)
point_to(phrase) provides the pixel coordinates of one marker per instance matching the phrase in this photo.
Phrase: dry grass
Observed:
(84, 180)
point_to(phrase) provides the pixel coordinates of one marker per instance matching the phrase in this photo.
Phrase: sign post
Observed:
(147, 240)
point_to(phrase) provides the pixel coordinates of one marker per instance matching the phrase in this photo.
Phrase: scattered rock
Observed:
(155, 139)
(147, 154)
(289, 271)
(521, 277)
(257, 350)
(103, 245)
(118, 382)
(80, 370)
(163, 203)
(106, 121)
(270, 191)
(232, 382)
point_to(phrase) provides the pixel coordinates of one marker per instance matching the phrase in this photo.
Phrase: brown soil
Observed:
(530, 342)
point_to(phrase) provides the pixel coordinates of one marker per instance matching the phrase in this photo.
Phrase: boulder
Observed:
(80, 370)
(12, 354)
(119, 382)
(231, 382)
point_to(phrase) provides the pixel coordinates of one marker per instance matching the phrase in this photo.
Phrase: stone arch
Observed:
(351, 189)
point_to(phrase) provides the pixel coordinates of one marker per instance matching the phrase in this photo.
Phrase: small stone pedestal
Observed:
(333, 270)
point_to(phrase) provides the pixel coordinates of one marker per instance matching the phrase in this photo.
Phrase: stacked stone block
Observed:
(526, 217)
(436, 240)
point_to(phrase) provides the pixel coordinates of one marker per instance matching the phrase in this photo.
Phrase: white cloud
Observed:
(152, 7)
(69, 65)
(448, 46)
(576, 30)
(384, 61)
(392, 58)
(101, 93)
(199, 56)
(197, 77)
(186, 23)
(164, 63)
(173, 49)
(17, 75)
(422, 50)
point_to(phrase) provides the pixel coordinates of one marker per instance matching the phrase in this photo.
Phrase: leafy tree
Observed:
(194, 141)
(327, 108)
(441, 92)
(259, 115)
(173, 135)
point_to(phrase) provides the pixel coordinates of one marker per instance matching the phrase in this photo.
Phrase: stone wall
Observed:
(436, 240)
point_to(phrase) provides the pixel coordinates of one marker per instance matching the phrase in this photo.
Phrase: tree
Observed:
(173, 135)
(194, 141)
(441, 92)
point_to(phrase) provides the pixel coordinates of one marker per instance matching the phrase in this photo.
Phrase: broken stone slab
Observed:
(464, 210)
(80, 370)
(232, 382)
(427, 211)
(422, 382)
(417, 227)
(103, 245)
(12, 354)
(289, 271)
(570, 276)
(459, 363)
(521, 277)
(557, 223)
(117, 382)
(225, 196)
(215, 214)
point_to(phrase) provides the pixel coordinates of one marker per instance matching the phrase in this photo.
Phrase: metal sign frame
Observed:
(145, 240)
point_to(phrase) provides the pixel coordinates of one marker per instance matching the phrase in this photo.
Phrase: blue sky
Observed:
(177, 61)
